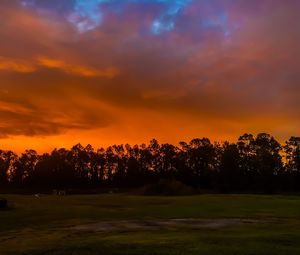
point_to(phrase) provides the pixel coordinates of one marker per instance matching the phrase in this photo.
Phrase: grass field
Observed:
(245, 224)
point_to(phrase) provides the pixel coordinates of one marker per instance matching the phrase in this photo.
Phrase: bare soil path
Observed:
(164, 224)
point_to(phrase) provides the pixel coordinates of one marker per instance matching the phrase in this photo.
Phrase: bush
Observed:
(167, 188)
(3, 203)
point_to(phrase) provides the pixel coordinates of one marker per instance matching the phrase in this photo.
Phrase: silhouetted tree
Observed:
(24, 168)
(231, 171)
(268, 160)
(7, 159)
(254, 163)
(201, 156)
(291, 175)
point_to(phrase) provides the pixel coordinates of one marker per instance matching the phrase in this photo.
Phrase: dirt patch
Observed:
(164, 224)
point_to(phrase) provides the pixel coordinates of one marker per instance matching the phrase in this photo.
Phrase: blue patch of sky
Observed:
(86, 15)
(167, 21)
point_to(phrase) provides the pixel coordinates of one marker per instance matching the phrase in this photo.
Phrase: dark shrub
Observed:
(3, 203)
(167, 188)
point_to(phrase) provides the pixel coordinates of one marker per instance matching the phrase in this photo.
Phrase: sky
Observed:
(111, 71)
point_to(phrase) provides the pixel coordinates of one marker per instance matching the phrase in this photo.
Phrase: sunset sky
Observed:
(118, 71)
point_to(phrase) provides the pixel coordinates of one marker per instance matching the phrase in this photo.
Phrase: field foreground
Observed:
(123, 224)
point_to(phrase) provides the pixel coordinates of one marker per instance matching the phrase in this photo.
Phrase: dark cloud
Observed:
(38, 104)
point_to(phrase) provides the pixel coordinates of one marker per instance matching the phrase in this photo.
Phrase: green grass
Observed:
(43, 225)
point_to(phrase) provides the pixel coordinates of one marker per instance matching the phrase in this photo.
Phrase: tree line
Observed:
(254, 163)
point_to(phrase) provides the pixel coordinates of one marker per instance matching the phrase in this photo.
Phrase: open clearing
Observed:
(123, 224)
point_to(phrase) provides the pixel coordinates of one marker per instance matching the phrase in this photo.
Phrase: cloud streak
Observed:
(77, 70)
